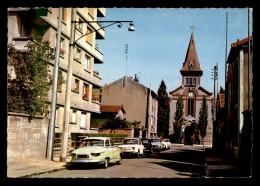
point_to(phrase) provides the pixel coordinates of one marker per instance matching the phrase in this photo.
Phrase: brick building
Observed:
(192, 93)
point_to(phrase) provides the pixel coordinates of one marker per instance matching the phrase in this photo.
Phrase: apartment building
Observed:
(86, 82)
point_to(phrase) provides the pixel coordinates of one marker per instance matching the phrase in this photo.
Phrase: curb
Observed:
(40, 173)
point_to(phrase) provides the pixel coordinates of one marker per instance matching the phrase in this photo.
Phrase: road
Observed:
(178, 162)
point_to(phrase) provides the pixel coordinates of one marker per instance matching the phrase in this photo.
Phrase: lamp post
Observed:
(54, 92)
(65, 129)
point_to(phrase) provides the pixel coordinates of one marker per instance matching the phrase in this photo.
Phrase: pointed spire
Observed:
(191, 64)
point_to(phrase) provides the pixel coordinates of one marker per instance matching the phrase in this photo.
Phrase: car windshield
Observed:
(92, 142)
(155, 140)
(145, 141)
(130, 141)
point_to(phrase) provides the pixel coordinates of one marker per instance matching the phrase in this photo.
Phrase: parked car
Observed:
(147, 145)
(156, 144)
(166, 144)
(99, 150)
(132, 146)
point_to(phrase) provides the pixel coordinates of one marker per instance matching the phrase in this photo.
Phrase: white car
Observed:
(157, 144)
(166, 144)
(132, 146)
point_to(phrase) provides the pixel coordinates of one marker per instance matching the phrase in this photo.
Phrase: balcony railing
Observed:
(96, 99)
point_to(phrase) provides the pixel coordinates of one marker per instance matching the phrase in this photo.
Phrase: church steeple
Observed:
(191, 65)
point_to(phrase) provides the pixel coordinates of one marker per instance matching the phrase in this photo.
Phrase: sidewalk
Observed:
(27, 169)
(219, 165)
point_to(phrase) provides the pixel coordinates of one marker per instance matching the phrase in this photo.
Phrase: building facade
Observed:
(192, 93)
(140, 103)
(239, 99)
(86, 82)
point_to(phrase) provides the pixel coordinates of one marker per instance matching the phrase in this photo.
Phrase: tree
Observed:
(28, 91)
(163, 111)
(222, 91)
(203, 118)
(114, 123)
(178, 119)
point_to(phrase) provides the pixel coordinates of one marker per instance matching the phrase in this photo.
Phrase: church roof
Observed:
(191, 63)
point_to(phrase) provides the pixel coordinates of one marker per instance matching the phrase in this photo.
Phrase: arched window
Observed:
(191, 104)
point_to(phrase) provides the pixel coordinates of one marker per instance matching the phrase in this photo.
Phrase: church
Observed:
(192, 94)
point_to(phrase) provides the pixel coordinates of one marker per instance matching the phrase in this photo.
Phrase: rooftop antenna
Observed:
(126, 52)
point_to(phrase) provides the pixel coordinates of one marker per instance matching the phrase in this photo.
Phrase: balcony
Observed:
(20, 43)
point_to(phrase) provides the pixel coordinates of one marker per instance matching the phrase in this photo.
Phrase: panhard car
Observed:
(100, 150)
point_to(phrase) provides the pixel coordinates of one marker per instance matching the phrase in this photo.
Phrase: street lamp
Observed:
(65, 130)
(131, 28)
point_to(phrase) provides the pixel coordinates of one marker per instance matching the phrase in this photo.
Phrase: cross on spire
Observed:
(192, 27)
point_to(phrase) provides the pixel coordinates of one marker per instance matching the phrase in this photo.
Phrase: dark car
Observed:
(147, 145)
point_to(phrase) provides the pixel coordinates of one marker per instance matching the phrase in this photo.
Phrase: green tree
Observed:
(114, 123)
(222, 91)
(163, 111)
(28, 91)
(178, 119)
(203, 118)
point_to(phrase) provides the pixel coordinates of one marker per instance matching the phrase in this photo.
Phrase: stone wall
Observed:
(26, 140)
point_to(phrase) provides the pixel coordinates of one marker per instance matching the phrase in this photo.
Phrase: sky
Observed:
(157, 47)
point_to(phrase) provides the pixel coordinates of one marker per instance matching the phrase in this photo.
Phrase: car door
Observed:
(109, 149)
(114, 150)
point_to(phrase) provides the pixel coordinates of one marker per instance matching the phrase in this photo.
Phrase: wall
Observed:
(26, 140)
(133, 96)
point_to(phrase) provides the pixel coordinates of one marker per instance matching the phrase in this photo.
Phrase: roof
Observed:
(191, 63)
(112, 108)
(236, 46)
(204, 90)
(241, 42)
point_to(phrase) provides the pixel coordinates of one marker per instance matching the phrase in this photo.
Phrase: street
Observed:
(178, 162)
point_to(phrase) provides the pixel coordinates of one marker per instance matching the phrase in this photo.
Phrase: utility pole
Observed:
(54, 91)
(215, 72)
(65, 128)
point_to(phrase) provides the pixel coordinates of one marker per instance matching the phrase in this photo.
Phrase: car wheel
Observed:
(105, 165)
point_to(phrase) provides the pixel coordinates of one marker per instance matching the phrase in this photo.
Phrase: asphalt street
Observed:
(178, 162)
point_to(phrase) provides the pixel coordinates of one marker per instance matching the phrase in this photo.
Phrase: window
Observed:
(83, 120)
(76, 85)
(78, 54)
(107, 143)
(191, 104)
(191, 81)
(89, 36)
(59, 86)
(194, 81)
(85, 91)
(57, 116)
(187, 81)
(80, 24)
(87, 62)
(74, 116)
(90, 11)
(64, 14)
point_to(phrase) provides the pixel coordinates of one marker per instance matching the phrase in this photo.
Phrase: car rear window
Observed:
(92, 142)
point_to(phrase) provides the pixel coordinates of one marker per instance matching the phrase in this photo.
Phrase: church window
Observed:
(194, 81)
(187, 80)
(191, 104)
(191, 81)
